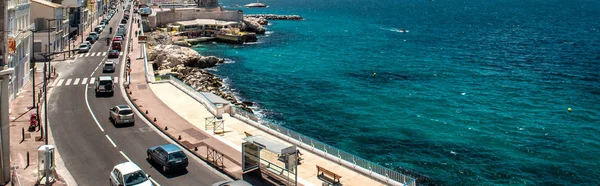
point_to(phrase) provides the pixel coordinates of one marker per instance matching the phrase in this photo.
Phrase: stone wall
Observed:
(185, 14)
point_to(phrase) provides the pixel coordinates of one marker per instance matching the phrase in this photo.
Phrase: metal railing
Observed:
(334, 154)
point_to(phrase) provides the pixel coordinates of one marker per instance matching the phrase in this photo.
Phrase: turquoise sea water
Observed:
(475, 93)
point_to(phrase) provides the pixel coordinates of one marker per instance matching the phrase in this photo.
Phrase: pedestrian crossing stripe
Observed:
(68, 82)
(81, 55)
(120, 53)
(60, 82)
(92, 80)
(88, 54)
(116, 80)
(103, 53)
(76, 81)
(84, 81)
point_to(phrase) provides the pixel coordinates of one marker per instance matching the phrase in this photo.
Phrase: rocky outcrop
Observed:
(170, 56)
(259, 20)
(205, 81)
(159, 38)
(274, 16)
(252, 25)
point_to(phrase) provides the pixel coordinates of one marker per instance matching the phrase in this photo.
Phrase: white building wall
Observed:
(169, 16)
(18, 25)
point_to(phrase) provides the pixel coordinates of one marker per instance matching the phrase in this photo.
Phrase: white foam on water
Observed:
(228, 61)
(394, 29)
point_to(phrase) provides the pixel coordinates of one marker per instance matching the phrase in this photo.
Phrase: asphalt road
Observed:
(90, 145)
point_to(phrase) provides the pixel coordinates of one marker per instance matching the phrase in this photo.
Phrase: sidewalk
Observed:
(28, 142)
(184, 119)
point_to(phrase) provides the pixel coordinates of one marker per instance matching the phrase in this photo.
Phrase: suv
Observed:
(168, 157)
(104, 84)
(128, 173)
(121, 114)
(109, 66)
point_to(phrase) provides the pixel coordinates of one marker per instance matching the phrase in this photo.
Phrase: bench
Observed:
(328, 176)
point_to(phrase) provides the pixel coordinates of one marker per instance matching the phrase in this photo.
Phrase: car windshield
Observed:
(125, 112)
(105, 82)
(176, 155)
(83, 46)
(135, 178)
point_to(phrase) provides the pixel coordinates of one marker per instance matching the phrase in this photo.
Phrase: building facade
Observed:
(52, 28)
(18, 45)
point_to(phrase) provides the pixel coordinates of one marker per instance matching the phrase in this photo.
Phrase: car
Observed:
(83, 48)
(116, 45)
(88, 43)
(168, 157)
(109, 66)
(122, 26)
(128, 173)
(90, 39)
(121, 114)
(117, 38)
(232, 183)
(113, 54)
(104, 84)
(94, 34)
(123, 21)
(99, 29)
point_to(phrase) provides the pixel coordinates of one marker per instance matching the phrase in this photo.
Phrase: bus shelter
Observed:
(279, 161)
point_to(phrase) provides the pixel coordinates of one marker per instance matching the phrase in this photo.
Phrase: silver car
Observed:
(122, 114)
(109, 66)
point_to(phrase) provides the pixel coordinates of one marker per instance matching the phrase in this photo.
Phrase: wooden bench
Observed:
(328, 176)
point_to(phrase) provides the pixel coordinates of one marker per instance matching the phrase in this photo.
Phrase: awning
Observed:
(271, 145)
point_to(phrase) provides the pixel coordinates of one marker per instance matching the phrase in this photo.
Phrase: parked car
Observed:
(169, 157)
(232, 183)
(122, 114)
(90, 39)
(123, 21)
(83, 48)
(128, 173)
(99, 29)
(109, 66)
(95, 35)
(113, 54)
(104, 84)
(116, 45)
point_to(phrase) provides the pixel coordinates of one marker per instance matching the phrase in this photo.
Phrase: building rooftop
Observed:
(206, 22)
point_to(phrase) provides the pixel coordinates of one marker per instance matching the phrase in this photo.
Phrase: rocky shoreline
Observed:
(274, 16)
(188, 65)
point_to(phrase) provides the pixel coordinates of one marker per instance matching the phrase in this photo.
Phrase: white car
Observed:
(128, 174)
(83, 48)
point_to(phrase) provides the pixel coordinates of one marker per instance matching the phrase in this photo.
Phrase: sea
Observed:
(452, 92)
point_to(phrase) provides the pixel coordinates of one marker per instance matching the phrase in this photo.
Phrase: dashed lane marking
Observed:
(111, 141)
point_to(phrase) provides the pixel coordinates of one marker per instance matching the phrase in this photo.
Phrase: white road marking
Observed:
(84, 81)
(76, 81)
(120, 53)
(103, 53)
(152, 180)
(111, 141)
(60, 82)
(88, 54)
(116, 80)
(92, 80)
(90, 108)
(125, 156)
(68, 82)
(98, 53)
(81, 55)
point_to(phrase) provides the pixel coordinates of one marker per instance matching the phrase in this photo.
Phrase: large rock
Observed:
(253, 26)
(171, 56)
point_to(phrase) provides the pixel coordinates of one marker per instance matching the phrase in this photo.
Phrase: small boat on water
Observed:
(256, 5)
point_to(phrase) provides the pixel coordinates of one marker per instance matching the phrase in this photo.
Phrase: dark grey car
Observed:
(169, 157)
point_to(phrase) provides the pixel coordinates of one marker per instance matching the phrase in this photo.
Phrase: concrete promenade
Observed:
(184, 120)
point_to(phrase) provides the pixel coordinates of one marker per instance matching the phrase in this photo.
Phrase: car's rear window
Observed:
(108, 64)
(176, 155)
(105, 82)
(125, 112)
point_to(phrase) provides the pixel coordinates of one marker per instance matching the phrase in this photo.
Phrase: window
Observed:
(125, 112)
(176, 155)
